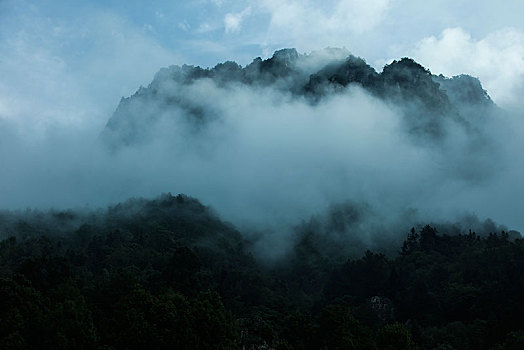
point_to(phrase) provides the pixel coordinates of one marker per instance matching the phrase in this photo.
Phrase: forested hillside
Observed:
(169, 274)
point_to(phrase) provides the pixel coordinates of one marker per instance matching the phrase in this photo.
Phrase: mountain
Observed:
(426, 101)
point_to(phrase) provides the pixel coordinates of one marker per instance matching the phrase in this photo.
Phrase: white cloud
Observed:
(310, 24)
(71, 70)
(218, 2)
(358, 15)
(232, 21)
(496, 59)
(149, 28)
(205, 28)
(184, 26)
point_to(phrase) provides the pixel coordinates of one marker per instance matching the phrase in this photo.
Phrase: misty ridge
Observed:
(290, 145)
(427, 102)
(283, 141)
(344, 230)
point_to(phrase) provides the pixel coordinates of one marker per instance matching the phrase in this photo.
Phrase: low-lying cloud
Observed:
(268, 160)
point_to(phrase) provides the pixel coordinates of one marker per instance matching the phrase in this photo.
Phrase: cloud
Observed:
(266, 160)
(184, 26)
(310, 24)
(70, 70)
(149, 28)
(232, 21)
(497, 59)
(218, 3)
(206, 27)
(271, 159)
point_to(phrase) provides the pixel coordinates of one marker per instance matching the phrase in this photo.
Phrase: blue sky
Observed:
(209, 31)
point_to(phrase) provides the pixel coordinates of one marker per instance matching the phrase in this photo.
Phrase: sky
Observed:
(65, 65)
(60, 56)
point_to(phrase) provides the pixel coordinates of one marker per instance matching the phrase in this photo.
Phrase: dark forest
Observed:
(169, 274)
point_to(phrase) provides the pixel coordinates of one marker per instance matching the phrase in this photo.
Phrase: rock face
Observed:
(425, 100)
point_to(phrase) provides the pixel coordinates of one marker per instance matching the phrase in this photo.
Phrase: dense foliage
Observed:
(168, 274)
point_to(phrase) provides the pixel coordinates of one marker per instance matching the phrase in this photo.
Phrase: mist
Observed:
(268, 160)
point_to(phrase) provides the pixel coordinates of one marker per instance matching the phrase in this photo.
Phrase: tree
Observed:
(339, 330)
(412, 243)
(394, 336)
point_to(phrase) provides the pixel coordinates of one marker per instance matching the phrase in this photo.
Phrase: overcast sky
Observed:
(64, 65)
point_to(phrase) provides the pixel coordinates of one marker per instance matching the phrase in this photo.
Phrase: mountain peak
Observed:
(285, 55)
(426, 99)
